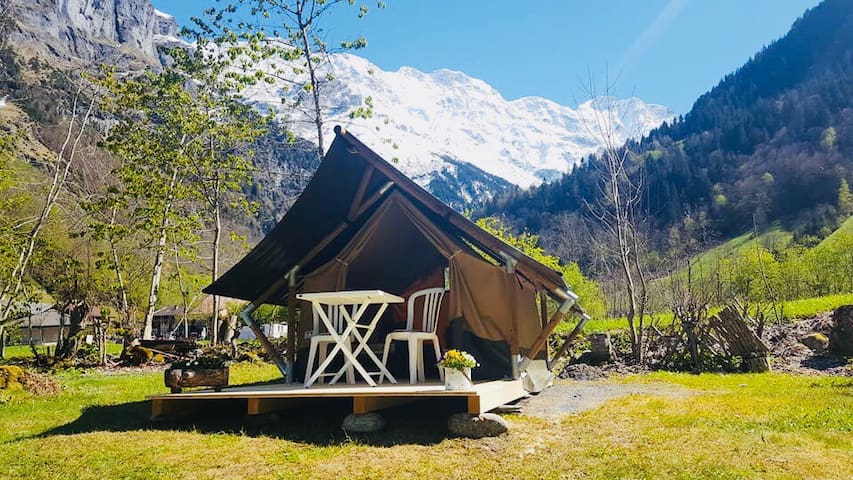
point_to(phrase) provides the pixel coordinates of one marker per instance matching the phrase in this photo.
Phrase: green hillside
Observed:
(703, 264)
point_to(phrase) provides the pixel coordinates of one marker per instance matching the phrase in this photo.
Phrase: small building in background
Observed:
(168, 322)
(39, 323)
(271, 330)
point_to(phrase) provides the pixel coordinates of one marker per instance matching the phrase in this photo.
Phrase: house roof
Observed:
(46, 315)
(41, 315)
(347, 187)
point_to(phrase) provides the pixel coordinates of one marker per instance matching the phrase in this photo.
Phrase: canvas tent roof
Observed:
(348, 187)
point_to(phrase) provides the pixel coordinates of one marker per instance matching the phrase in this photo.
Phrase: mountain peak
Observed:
(422, 119)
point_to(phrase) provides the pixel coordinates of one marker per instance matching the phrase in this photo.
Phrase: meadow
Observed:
(724, 426)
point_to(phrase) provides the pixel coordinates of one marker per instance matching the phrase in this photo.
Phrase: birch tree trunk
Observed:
(312, 76)
(217, 239)
(124, 304)
(154, 289)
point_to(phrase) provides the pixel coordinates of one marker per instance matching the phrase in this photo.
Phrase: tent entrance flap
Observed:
(399, 249)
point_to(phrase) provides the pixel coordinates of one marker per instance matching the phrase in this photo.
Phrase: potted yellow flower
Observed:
(457, 367)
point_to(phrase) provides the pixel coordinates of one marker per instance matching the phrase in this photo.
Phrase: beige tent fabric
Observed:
(480, 292)
(483, 295)
(331, 277)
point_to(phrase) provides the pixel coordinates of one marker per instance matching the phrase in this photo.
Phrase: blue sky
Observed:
(663, 51)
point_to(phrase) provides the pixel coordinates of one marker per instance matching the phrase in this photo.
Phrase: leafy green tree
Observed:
(58, 170)
(159, 134)
(284, 44)
(845, 199)
(591, 297)
(221, 164)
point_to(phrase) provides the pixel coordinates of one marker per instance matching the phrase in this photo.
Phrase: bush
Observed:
(88, 352)
(13, 377)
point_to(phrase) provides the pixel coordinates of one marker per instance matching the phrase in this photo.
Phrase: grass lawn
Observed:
(24, 351)
(733, 426)
(792, 309)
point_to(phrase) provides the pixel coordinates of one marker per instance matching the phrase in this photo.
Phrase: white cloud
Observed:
(667, 15)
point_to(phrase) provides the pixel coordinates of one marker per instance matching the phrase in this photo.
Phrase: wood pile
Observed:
(738, 339)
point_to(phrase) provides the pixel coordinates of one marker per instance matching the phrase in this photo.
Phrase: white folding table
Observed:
(361, 299)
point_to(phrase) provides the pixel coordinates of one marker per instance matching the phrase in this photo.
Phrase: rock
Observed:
(477, 426)
(841, 335)
(815, 341)
(100, 31)
(363, 423)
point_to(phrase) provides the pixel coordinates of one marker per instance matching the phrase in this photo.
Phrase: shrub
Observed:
(11, 377)
(204, 362)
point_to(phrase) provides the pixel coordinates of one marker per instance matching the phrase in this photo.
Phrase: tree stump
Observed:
(177, 379)
(841, 335)
(601, 347)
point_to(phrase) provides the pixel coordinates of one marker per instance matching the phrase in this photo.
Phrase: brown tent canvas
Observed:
(361, 225)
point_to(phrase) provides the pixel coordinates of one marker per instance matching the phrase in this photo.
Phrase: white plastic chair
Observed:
(321, 341)
(432, 306)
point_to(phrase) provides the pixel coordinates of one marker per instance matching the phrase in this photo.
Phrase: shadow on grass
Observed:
(317, 423)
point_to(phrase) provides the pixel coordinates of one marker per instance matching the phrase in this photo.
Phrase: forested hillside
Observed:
(771, 142)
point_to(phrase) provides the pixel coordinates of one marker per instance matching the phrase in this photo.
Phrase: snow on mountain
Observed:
(433, 124)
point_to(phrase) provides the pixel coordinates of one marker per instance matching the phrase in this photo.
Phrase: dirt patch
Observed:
(574, 397)
(788, 354)
(582, 371)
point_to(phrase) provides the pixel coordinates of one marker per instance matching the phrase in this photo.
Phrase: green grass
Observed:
(24, 351)
(809, 307)
(730, 426)
(793, 309)
(845, 228)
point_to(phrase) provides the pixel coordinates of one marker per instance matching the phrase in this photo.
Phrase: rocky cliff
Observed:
(103, 31)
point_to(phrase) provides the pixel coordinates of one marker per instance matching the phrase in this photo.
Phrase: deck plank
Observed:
(266, 398)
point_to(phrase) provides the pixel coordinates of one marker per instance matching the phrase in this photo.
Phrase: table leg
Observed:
(331, 355)
(362, 345)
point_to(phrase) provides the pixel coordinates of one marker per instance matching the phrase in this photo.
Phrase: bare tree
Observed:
(59, 170)
(615, 212)
(689, 302)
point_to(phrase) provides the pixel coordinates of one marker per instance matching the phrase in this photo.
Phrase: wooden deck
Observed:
(262, 399)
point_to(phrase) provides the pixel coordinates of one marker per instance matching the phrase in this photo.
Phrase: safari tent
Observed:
(361, 224)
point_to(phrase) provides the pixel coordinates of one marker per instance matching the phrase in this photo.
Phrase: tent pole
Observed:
(514, 350)
(291, 323)
(571, 338)
(543, 318)
(246, 316)
(569, 300)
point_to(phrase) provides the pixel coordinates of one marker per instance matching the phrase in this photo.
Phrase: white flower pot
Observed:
(457, 379)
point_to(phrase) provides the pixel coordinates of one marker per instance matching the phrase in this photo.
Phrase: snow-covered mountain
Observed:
(454, 134)
(451, 131)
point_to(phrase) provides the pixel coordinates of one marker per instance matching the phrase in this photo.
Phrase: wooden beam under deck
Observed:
(262, 399)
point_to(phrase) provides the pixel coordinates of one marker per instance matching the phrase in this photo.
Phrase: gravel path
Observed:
(577, 396)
